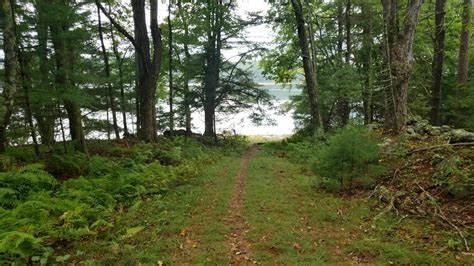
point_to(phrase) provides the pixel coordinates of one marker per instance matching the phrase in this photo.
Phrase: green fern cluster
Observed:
(37, 211)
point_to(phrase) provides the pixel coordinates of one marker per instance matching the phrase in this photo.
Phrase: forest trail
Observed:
(262, 208)
(237, 241)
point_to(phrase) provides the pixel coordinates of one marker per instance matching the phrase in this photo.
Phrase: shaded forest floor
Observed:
(261, 208)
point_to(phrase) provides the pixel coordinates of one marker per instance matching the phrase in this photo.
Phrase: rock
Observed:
(411, 131)
(413, 120)
(445, 128)
(422, 126)
(461, 135)
(434, 131)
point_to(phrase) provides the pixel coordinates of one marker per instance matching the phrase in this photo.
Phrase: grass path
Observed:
(260, 208)
(237, 239)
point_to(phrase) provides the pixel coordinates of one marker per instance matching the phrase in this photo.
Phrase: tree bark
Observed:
(437, 64)
(148, 63)
(65, 83)
(309, 70)
(463, 65)
(367, 48)
(212, 68)
(170, 70)
(26, 84)
(123, 101)
(110, 88)
(11, 70)
(45, 114)
(400, 56)
(187, 56)
(344, 109)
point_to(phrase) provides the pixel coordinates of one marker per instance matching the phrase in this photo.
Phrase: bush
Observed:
(67, 166)
(24, 180)
(351, 153)
(457, 174)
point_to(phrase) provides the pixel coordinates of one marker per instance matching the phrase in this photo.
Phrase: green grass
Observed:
(293, 223)
(184, 226)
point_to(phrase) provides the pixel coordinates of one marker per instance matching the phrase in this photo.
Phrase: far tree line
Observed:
(363, 60)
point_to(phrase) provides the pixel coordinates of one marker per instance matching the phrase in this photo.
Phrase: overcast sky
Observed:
(261, 33)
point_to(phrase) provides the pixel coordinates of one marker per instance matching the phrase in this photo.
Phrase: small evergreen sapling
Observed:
(349, 154)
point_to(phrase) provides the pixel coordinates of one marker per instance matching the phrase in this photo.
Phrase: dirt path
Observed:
(238, 245)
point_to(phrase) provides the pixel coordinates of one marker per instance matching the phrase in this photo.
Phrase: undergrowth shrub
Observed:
(67, 165)
(352, 153)
(30, 178)
(457, 174)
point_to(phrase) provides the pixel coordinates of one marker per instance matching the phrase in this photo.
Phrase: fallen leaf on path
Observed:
(297, 246)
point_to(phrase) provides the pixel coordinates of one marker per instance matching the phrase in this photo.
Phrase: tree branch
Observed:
(119, 27)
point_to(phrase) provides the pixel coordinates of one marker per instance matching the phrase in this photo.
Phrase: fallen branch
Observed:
(468, 144)
(460, 233)
(439, 213)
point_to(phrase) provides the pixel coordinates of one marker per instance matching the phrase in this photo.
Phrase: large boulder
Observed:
(461, 135)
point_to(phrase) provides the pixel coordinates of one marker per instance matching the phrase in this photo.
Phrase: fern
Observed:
(28, 179)
(8, 198)
(18, 244)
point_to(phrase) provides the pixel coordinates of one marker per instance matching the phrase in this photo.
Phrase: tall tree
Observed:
(110, 88)
(463, 65)
(149, 60)
(367, 50)
(120, 60)
(399, 57)
(437, 64)
(46, 112)
(309, 67)
(170, 68)
(64, 77)
(213, 46)
(187, 62)
(11, 70)
(343, 103)
(26, 82)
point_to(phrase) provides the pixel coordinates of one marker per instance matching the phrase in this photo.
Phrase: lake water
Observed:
(284, 124)
(240, 122)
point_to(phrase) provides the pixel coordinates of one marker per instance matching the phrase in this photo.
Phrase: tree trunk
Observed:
(65, 83)
(437, 65)
(400, 56)
(187, 56)
(210, 86)
(110, 88)
(212, 69)
(26, 83)
(148, 66)
(170, 70)
(45, 114)
(463, 65)
(11, 70)
(148, 63)
(309, 70)
(123, 101)
(344, 109)
(367, 46)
